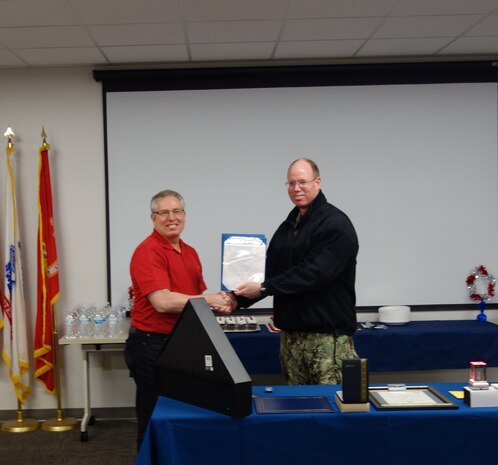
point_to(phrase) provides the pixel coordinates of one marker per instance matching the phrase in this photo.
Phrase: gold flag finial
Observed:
(9, 134)
(44, 137)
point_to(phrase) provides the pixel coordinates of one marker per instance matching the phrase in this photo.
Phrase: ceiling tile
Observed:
(138, 34)
(327, 29)
(317, 49)
(425, 26)
(45, 36)
(472, 45)
(179, 31)
(251, 51)
(62, 56)
(340, 8)
(443, 7)
(233, 31)
(127, 11)
(16, 13)
(216, 10)
(402, 47)
(146, 54)
(487, 27)
(9, 59)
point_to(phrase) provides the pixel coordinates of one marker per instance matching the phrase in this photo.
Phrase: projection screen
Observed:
(414, 166)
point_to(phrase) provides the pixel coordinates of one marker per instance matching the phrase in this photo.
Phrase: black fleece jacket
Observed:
(311, 270)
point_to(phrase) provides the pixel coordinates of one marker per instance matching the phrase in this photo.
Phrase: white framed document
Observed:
(410, 397)
(243, 258)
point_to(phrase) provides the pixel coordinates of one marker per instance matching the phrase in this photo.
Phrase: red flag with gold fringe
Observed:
(48, 277)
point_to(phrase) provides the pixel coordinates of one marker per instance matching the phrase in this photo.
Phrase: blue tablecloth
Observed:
(257, 351)
(183, 434)
(429, 345)
(419, 345)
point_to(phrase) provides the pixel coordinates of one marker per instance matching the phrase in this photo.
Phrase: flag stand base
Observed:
(20, 424)
(59, 423)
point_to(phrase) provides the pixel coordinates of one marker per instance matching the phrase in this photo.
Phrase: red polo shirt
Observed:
(156, 265)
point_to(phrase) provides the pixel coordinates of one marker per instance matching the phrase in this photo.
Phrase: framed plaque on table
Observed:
(292, 404)
(409, 397)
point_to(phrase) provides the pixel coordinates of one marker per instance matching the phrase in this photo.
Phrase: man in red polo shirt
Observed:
(165, 273)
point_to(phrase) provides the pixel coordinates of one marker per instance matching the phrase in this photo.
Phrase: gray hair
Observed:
(165, 193)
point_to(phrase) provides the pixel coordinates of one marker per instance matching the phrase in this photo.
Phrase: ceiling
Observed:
(101, 33)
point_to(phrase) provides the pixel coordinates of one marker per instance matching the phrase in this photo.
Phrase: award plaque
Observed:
(292, 404)
(477, 378)
(410, 397)
(355, 380)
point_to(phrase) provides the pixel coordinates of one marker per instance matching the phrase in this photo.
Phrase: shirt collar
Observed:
(317, 202)
(164, 242)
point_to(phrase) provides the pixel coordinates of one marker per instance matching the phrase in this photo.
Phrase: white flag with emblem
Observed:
(15, 343)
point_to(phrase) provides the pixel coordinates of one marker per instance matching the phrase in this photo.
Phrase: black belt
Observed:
(148, 334)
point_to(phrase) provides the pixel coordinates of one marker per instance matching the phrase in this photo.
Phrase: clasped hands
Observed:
(226, 302)
(222, 302)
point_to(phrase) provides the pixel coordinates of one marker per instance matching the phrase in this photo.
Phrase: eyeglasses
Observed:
(300, 184)
(177, 212)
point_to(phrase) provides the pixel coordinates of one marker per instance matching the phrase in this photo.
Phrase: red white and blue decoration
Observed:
(481, 287)
(131, 298)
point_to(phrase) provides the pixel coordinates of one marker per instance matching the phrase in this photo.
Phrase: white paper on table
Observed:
(243, 260)
(408, 397)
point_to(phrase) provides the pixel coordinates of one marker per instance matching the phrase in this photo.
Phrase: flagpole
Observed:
(20, 424)
(59, 423)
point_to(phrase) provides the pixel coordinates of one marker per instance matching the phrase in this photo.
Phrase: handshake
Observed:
(222, 302)
(226, 302)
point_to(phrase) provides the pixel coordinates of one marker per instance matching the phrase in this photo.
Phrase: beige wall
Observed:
(68, 103)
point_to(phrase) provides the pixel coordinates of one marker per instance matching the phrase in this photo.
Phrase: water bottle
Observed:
(85, 325)
(113, 327)
(125, 320)
(71, 329)
(99, 324)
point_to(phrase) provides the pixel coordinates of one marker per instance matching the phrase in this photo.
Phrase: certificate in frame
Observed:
(410, 397)
(243, 259)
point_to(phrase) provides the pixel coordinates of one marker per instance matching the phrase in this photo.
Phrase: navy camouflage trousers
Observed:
(314, 358)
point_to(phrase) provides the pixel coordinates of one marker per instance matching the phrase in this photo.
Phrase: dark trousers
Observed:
(141, 351)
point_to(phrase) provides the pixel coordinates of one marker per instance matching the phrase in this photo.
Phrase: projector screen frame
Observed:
(239, 77)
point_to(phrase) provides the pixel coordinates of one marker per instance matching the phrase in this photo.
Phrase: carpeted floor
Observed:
(110, 442)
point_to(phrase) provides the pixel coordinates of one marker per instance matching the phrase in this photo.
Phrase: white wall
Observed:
(68, 103)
